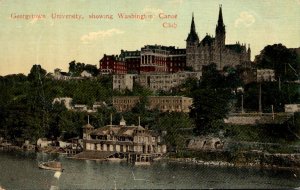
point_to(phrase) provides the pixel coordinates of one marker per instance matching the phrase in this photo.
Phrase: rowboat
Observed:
(51, 165)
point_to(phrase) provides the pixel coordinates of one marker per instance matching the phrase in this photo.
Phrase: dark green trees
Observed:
(210, 100)
(284, 61)
(209, 106)
(76, 68)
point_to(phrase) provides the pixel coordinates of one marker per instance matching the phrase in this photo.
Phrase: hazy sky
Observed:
(54, 42)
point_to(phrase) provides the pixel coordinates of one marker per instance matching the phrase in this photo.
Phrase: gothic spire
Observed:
(193, 37)
(220, 20)
(193, 29)
(220, 27)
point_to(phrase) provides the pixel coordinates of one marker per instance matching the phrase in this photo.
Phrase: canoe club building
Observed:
(121, 141)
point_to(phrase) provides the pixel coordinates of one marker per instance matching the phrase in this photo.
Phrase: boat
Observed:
(51, 165)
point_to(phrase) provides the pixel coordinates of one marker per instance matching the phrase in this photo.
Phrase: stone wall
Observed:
(242, 120)
(205, 143)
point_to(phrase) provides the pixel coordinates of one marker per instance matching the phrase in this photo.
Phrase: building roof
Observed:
(64, 73)
(88, 126)
(126, 53)
(140, 128)
(207, 40)
(117, 130)
(235, 47)
(158, 47)
(178, 51)
(126, 131)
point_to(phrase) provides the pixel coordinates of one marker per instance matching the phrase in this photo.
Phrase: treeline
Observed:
(26, 109)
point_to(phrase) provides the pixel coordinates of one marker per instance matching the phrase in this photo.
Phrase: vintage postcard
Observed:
(163, 94)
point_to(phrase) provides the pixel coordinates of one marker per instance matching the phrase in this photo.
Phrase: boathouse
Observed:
(131, 142)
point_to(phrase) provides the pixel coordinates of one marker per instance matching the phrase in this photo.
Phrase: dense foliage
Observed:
(27, 112)
(76, 68)
(284, 61)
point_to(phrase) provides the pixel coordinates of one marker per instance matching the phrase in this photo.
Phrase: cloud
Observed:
(101, 34)
(246, 19)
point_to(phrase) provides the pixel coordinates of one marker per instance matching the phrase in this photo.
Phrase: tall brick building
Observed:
(151, 59)
(132, 60)
(213, 49)
(162, 59)
(111, 64)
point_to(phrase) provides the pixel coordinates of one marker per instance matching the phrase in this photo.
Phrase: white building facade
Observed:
(265, 75)
(123, 81)
(154, 82)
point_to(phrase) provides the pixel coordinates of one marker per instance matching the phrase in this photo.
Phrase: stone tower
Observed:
(192, 42)
(220, 40)
(210, 49)
(220, 29)
(249, 53)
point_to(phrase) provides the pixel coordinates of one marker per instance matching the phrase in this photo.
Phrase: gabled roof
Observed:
(117, 130)
(207, 40)
(126, 131)
(140, 128)
(88, 126)
(104, 130)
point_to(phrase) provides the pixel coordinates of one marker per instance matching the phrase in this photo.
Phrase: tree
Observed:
(271, 94)
(186, 89)
(283, 60)
(139, 90)
(72, 66)
(208, 106)
(232, 78)
(37, 74)
(174, 124)
(76, 68)
(211, 77)
(91, 69)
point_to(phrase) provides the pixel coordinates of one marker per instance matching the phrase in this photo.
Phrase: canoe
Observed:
(51, 165)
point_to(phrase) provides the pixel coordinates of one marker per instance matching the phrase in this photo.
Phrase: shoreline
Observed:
(228, 164)
(193, 161)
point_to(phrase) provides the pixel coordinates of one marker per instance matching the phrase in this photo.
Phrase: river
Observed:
(18, 170)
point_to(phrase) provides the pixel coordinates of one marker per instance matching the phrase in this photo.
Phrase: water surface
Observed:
(20, 171)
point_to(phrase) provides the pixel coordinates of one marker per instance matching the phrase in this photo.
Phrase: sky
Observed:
(31, 33)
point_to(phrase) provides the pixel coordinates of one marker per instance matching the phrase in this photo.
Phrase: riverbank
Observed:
(248, 159)
(243, 159)
(228, 164)
(256, 160)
